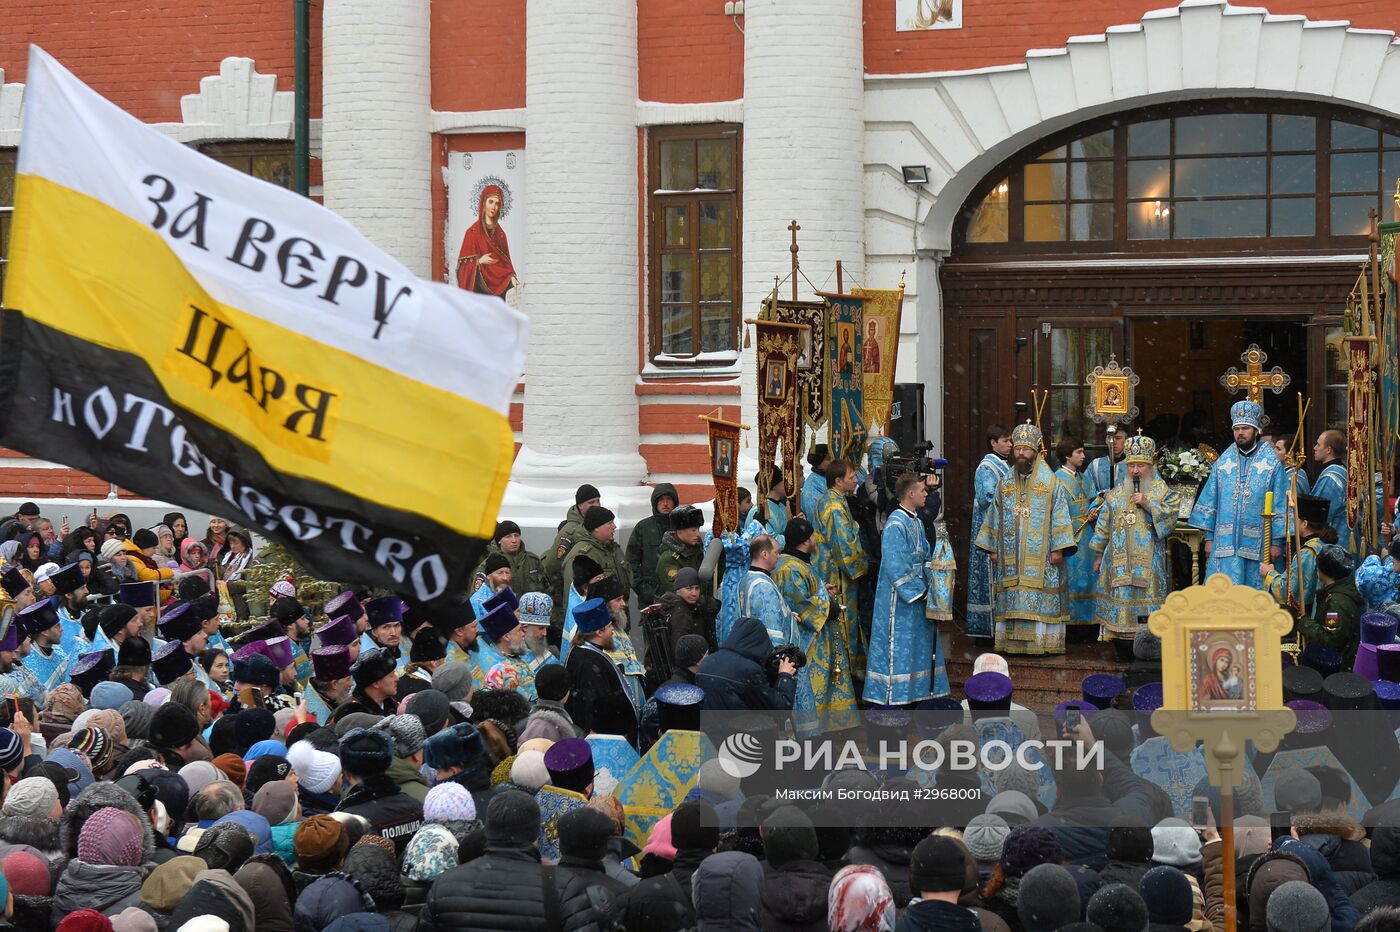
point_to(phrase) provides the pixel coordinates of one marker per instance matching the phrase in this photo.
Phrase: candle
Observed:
(1268, 503)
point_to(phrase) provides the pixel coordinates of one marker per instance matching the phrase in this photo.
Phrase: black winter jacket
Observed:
(498, 892)
(1082, 824)
(794, 897)
(391, 812)
(734, 679)
(1338, 838)
(1385, 861)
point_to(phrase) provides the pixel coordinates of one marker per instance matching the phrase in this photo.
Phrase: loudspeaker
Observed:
(907, 415)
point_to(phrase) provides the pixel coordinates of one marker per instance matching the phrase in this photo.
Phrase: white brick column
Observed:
(804, 145)
(376, 157)
(581, 290)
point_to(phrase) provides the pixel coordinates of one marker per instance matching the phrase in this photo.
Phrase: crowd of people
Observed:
(370, 764)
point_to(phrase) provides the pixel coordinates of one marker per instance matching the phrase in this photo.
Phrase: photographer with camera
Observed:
(735, 677)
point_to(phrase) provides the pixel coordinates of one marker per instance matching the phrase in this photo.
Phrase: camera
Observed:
(784, 652)
(918, 462)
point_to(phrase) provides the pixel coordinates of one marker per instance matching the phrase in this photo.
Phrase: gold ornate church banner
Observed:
(883, 309)
(811, 361)
(844, 376)
(777, 347)
(724, 463)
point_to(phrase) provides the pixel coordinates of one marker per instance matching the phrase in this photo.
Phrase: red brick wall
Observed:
(147, 54)
(478, 54)
(688, 52)
(1000, 33)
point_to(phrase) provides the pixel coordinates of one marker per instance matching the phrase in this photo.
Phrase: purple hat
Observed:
(1388, 662)
(1366, 664)
(1378, 628)
(14, 582)
(14, 633)
(345, 604)
(1147, 699)
(272, 628)
(329, 664)
(503, 597)
(339, 631)
(384, 611)
(1313, 717)
(179, 623)
(1323, 659)
(1086, 709)
(1101, 689)
(1389, 694)
(592, 616)
(279, 651)
(138, 594)
(68, 579)
(499, 622)
(41, 616)
(988, 691)
(1301, 683)
(570, 764)
(170, 662)
(91, 669)
(249, 649)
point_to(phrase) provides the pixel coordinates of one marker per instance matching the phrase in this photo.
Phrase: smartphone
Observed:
(1071, 718)
(1280, 824)
(1200, 807)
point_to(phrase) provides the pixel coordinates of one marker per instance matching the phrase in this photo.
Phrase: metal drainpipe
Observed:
(301, 120)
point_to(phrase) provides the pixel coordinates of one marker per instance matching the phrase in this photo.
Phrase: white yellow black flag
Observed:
(205, 338)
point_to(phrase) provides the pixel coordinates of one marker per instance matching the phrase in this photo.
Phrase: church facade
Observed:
(1054, 184)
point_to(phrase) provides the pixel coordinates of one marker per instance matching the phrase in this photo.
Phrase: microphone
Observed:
(940, 463)
(1137, 484)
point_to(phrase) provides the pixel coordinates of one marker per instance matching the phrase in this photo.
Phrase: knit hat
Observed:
(529, 770)
(597, 517)
(173, 726)
(95, 745)
(376, 870)
(585, 493)
(695, 825)
(512, 819)
(320, 844)
(267, 769)
(407, 733)
(109, 695)
(1167, 894)
(788, 835)
(255, 824)
(111, 836)
(11, 749)
(1176, 843)
(584, 833)
(26, 872)
(232, 766)
(449, 802)
(985, 835)
(1027, 846)
(1131, 843)
(365, 752)
(1049, 898)
(276, 802)
(169, 882)
(690, 650)
(937, 865)
(1298, 907)
(136, 715)
(1297, 790)
(315, 769)
(85, 920)
(1117, 908)
(32, 796)
(453, 680)
(1013, 805)
(225, 845)
(433, 708)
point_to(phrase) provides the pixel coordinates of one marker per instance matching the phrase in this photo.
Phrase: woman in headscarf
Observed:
(179, 528)
(9, 554)
(860, 900)
(32, 556)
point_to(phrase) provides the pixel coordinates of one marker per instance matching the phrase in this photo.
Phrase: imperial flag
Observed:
(207, 339)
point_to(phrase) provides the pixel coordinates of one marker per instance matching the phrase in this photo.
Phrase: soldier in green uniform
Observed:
(526, 570)
(681, 548)
(570, 532)
(647, 542)
(598, 545)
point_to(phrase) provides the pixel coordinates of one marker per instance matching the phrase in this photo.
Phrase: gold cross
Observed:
(1254, 379)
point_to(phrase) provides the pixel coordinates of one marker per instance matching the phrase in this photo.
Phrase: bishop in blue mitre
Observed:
(1231, 504)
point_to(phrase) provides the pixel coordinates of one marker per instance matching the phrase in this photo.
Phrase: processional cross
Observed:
(1254, 379)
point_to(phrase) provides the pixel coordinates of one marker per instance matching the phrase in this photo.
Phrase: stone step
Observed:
(1041, 682)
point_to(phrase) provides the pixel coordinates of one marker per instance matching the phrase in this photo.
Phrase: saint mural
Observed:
(484, 264)
(871, 348)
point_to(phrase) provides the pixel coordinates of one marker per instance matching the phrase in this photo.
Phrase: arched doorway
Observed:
(1174, 237)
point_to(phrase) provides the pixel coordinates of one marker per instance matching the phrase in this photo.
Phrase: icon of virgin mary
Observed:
(484, 264)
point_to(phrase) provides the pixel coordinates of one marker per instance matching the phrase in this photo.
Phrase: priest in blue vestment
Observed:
(904, 664)
(1079, 493)
(814, 486)
(758, 593)
(1331, 451)
(1231, 503)
(985, 482)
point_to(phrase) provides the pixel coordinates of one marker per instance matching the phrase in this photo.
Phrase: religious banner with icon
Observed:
(845, 378)
(724, 461)
(1111, 393)
(1388, 377)
(883, 308)
(811, 361)
(777, 347)
(1359, 470)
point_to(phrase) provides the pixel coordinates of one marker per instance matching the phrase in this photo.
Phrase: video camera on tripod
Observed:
(917, 461)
